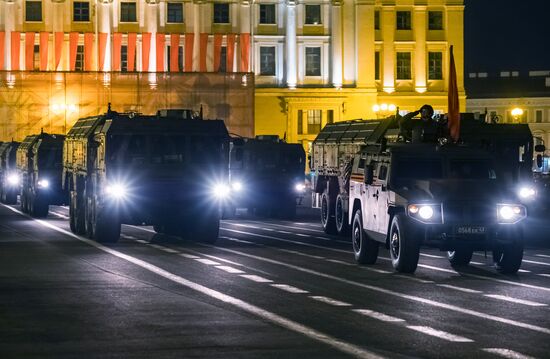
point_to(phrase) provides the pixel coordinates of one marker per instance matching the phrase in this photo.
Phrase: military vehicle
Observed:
(9, 178)
(39, 160)
(266, 175)
(404, 194)
(168, 170)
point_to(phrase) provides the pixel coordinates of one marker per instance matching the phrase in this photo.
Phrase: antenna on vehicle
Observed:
(200, 112)
(109, 108)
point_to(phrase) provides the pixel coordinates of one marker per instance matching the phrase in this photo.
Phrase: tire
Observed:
(24, 204)
(365, 248)
(205, 230)
(76, 214)
(90, 218)
(106, 227)
(11, 197)
(507, 257)
(460, 256)
(39, 206)
(404, 245)
(158, 228)
(327, 214)
(341, 217)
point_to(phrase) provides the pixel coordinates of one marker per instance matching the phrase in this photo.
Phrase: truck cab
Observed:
(405, 195)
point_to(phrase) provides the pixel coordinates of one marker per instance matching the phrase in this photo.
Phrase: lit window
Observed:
(404, 66)
(221, 13)
(377, 65)
(313, 61)
(128, 12)
(313, 121)
(267, 61)
(33, 11)
(124, 58)
(403, 20)
(267, 14)
(79, 65)
(377, 20)
(81, 11)
(175, 12)
(36, 58)
(313, 15)
(435, 66)
(435, 20)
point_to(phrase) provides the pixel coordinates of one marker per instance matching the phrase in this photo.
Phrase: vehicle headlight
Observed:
(43, 183)
(116, 190)
(300, 187)
(221, 191)
(237, 186)
(427, 213)
(510, 213)
(13, 179)
(527, 192)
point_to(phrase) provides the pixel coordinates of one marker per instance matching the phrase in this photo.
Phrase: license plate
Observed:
(471, 230)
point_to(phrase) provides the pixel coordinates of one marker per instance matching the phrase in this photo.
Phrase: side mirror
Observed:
(540, 148)
(369, 174)
(539, 161)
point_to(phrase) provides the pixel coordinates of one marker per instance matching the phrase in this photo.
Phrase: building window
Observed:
(313, 121)
(221, 13)
(81, 11)
(300, 122)
(33, 11)
(128, 12)
(404, 66)
(330, 116)
(180, 58)
(377, 20)
(403, 20)
(267, 14)
(267, 61)
(313, 61)
(435, 66)
(36, 58)
(223, 59)
(377, 65)
(538, 116)
(313, 15)
(435, 20)
(124, 58)
(175, 12)
(79, 65)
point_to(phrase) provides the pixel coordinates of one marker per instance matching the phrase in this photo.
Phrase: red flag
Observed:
(453, 106)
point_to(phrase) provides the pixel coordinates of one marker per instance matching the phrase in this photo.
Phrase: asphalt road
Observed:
(266, 289)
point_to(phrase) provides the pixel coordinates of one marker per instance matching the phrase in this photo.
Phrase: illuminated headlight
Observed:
(221, 191)
(116, 191)
(527, 192)
(300, 187)
(43, 183)
(237, 186)
(13, 179)
(427, 213)
(510, 213)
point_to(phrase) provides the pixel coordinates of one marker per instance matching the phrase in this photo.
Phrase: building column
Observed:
(336, 42)
(420, 64)
(455, 36)
(348, 35)
(151, 25)
(365, 43)
(290, 39)
(245, 28)
(9, 26)
(388, 36)
(104, 26)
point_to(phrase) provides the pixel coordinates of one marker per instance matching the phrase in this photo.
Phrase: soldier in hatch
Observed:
(423, 129)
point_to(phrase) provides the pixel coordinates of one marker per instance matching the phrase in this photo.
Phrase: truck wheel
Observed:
(76, 214)
(365, 248)
(341, 217)
(460, 256)
(23, 197)
(404, 246)
(39, 207)
(327, 214)
(507, 258)
(205, 230)
(11, 197)
(107, 228)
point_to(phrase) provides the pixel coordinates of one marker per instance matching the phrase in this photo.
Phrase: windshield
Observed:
(50, 157)
(423, 169)
(471, 169)
(417, 168)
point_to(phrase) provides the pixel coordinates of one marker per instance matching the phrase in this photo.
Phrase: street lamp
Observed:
(384, 110)
(517, 113)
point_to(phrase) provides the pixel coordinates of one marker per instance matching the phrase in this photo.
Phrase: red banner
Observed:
(145, 49)
(217, 51)
(117, 45)
(29, 51)
(88, 51)
(189, 39)
(203, 51)
(59, 38)
(161, 40)
(15, 48)
(2, 43)
(132, 40)
(245, 52)
(44, 40)
(102, 50)
(230, 51)
(453, 105)
(174, 53)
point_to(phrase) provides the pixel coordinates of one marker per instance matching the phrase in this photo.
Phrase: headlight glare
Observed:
(300, 187)
(221, 191)
(426, 212)
(116, 191)
(43, 183)
(237, 186)
(13, 179)
(527, 192)
(510, 213)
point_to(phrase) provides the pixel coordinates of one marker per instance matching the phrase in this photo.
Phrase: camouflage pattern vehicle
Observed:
(9, 177)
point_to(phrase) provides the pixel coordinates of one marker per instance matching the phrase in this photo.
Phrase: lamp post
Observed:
(517, 113)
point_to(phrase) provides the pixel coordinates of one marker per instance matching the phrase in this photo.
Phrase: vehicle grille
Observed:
(468, 213)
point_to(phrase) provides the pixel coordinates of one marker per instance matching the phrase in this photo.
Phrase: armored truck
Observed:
(9, 178)
(266, 175)
(168, 170)
(40, 163)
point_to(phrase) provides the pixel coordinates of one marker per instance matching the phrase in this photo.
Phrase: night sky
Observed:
(507, 35)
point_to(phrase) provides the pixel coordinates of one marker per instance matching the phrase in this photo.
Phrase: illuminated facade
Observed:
(314, 61)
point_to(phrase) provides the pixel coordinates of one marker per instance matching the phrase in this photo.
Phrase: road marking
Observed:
(340, 262)
(59, 215)
(440, 334)
(142, 241)
(477, 263)
(245, 306)
(279, 231)
(535, 262)
(465, 290)
(289, 288)
(229, 269)
(163, 248)
(256, 278)
(515, 300)
(285, 232)
(377, 270)
(300, 253)
(207, 261)
(506, 353)
(302, 235)
(544, 275)
(330, 301)
(542, 255)
(419, 280)
(432, 256)
(377, 315)
(190, 256)
(524, 271)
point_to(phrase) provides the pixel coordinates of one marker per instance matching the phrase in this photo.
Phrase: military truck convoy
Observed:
(266, 175)
(402, 194)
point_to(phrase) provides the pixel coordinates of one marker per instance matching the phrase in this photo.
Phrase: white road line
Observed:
(465, 290)
(432, 256)
(163, 248)
(207, 261)
(376, 315)
(414, 279)
(507, 353)
(245, 306)
(414, 298)
(299, 253)
(515, 300)
(535, 262)
(229, 269)
(256, 278)
(477, 263)
(544, 275)
(59, 215)
(289, 288)
(524, 271)
(440, 334)
(542, 255)
(142, 241)
(341, 262)
(190, 256)
(377, 270)
(285, 232)
(330, 301)
(302, 235)
(241, 241)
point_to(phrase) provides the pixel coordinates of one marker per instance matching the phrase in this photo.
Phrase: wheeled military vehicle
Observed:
(266, 175)
(9, 178)
(168, 170)
(40, 163)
